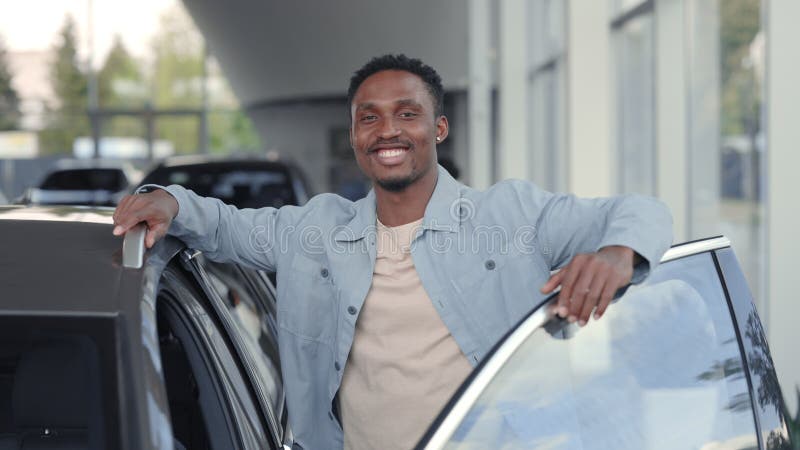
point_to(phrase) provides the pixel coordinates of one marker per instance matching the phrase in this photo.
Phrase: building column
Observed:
(590, 158)
(479, 97)
(782, 187)
(513, 120)
(671, 113)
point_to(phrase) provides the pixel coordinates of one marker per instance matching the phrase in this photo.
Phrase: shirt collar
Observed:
(443, 213)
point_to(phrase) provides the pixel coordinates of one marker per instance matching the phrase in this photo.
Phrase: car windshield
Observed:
(95, 179)
(661, 370)
(244, 185)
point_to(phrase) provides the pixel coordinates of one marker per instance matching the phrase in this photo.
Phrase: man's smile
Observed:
(390, 154)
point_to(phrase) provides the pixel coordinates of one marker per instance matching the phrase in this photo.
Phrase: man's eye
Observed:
(367, 118)
(408, 114)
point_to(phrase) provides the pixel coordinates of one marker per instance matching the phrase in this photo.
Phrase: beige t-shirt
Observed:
(404, 364)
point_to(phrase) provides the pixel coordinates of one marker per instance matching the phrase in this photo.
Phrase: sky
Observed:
(34, 24)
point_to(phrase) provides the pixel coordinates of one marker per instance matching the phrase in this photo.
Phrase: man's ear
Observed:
(352, 138)
(442, 129)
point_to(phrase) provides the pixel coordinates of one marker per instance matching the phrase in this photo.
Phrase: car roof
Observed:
(63, 259)
(193, 160)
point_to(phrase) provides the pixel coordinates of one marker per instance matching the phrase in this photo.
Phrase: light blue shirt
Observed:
(482, 257)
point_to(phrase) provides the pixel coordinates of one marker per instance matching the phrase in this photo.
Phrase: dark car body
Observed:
(679, 362)
(243, 182)
(178, 353)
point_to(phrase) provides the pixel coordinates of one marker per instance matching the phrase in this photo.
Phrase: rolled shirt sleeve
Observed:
(223, 232)
(568, 225)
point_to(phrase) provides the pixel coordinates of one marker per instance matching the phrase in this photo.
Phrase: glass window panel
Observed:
(727, 146)
(635, 105)
(546, 93)
(633, 380)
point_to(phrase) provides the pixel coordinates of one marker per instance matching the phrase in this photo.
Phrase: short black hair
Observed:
(400, 62)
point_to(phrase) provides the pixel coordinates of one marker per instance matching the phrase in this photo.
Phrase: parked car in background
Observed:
(104, 346)
(83, 182)
(242, 182)
(680, 362)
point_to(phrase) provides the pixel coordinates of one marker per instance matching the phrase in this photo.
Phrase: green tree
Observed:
(9, 100)
(120, 84)
(177, 77)
(178, 83)
(69, 119)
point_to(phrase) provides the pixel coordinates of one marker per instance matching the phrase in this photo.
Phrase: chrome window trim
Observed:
(496, 361)
(693, 248)
(492, 367)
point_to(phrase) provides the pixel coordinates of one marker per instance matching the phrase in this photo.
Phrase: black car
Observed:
(680, 362)
(104, 346)
(242, 182)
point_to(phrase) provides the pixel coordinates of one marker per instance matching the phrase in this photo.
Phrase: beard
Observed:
(398, 184)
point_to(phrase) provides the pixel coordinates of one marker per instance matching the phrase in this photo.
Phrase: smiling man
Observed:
(386, 304)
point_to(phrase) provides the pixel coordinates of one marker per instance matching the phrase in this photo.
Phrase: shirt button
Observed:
(352, 310)
(336, 365)
(324, 272)
(490, 265)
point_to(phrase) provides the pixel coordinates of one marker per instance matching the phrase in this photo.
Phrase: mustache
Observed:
(383, 142)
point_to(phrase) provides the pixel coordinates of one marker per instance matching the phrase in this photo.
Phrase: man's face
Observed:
(394, 129)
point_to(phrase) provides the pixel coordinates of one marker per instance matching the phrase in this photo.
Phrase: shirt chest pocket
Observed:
(499, 289)
(310, 309)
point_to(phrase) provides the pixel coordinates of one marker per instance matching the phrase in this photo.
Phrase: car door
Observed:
(246, 304)
(212, 402)
(665, 368)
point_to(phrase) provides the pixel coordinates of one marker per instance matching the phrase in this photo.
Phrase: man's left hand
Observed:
(591, 280)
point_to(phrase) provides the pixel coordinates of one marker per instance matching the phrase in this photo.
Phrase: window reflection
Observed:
(254, 323)
(662, 370)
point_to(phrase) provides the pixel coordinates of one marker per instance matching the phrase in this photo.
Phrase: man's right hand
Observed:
(156, 209)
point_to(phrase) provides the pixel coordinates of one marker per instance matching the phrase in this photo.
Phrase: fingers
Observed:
(605, 299)
(553, 282)
(593, 297)
(149, 208)
(154, 234)
(126, 216)
(584, 297)
(588, 283)
(128, 220)
(567, 294)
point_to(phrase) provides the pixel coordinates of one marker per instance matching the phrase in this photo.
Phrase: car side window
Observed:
(211, 404)
(661, 370)
(251, 307)
(59, 382)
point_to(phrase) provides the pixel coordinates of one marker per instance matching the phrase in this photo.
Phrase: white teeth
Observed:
(390, 153)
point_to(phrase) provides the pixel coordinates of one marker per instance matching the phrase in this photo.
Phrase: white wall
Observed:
(591, 168)
(783, 205)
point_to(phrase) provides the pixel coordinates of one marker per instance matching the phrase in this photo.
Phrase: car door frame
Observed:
(269, 420)
(740, 304)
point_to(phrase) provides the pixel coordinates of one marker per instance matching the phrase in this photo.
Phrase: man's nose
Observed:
(388, 129)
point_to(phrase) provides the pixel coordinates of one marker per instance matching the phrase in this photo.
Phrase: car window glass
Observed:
(58, 382)
(201, 373)
(86, 179)
(661, 370)
(241, 186)
(254, 324)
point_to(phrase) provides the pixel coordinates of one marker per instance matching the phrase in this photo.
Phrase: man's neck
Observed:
(399, 208)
